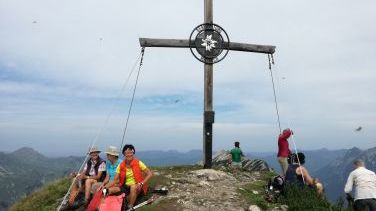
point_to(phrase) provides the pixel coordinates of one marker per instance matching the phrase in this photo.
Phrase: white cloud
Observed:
(66, 61)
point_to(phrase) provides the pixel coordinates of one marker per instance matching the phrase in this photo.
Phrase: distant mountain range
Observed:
(315, 159)
(25, 170)
(169, 158)
(332, 167)
(334, 175)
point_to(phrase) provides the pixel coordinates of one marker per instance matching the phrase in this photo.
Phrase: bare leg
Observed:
(74, 191)
(88, 184)
(133, 195)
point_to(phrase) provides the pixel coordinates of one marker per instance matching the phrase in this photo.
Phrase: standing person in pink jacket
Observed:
(283, 149)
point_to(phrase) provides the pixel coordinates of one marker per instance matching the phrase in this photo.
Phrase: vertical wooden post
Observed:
(208, 98)
(208, 117)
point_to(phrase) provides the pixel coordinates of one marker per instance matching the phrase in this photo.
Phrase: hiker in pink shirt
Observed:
(283, 149)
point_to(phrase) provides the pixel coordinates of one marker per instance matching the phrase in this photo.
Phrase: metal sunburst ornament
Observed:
(209, 43)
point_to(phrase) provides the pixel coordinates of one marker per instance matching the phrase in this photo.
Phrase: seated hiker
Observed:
(94, 171)
(111, 166)
(296, 173)
(236, 157)
(131, 176)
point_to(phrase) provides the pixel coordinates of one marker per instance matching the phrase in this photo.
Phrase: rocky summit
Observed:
(221, 188)
(221, 159)
(208, 189)
(217, 189)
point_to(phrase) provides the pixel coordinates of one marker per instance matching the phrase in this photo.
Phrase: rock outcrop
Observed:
(221, 158)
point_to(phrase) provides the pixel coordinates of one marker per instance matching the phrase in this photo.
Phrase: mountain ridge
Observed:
(334, 175)
(39, 169)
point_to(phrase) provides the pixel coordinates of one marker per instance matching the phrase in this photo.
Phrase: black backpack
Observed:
(274, 188)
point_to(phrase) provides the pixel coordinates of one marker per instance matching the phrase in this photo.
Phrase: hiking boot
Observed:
(75, 205)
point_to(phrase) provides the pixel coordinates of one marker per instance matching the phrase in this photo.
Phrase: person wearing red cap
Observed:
(283, 149)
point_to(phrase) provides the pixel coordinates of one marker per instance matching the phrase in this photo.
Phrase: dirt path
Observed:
(205, 189)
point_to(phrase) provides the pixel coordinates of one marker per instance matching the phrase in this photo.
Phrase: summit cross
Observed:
(209, 43)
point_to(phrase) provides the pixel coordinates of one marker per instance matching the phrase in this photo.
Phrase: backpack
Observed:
(274, 188)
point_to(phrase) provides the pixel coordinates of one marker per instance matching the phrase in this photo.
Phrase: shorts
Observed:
(236, 164)
(125, 189)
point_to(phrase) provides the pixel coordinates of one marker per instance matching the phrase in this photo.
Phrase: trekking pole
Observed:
(152, 198)
(71, 185)
(296, 152)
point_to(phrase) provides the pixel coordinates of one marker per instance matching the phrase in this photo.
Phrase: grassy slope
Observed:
(48, 197)
(44, 199)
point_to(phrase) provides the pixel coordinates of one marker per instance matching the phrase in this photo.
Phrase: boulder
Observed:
(221, 158)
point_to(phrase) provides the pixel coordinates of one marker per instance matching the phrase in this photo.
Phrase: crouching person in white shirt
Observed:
(364, 183)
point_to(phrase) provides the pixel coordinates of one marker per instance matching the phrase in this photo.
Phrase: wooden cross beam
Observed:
(234, 46)
(208, 74)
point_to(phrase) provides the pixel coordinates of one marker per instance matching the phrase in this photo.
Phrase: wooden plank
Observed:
(181, 43)
(170, 43)
(268, 49)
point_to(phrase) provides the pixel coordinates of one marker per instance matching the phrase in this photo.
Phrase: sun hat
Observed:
(94, 149)
(111, 150)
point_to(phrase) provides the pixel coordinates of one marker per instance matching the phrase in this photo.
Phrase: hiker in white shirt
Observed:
(364, 182)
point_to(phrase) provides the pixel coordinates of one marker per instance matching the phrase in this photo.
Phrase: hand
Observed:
(139, 186)
(73, 174)
(101, 186)
(349, 197)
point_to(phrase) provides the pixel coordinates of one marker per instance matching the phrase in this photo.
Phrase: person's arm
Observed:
(106, 181)
(349, 183)
(82, 175)
(307, 178)
(116, 179)
(286, 134)
(148, 174)
(96, 177)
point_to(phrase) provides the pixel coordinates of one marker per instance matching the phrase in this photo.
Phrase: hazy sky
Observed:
(63, 65)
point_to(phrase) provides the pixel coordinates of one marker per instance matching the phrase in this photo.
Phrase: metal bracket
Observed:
(209, 116)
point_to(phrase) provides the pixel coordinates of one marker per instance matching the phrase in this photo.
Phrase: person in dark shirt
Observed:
(296, 173)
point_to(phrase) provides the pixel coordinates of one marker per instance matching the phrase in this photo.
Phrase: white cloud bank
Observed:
(63, 63)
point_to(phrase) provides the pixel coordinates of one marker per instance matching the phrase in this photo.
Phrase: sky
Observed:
(64, 69)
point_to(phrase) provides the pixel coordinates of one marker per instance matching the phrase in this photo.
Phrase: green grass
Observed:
(258, 199)
(298, 199)
(44, 199)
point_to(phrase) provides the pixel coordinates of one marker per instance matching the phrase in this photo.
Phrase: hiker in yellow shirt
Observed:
(131, 176)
